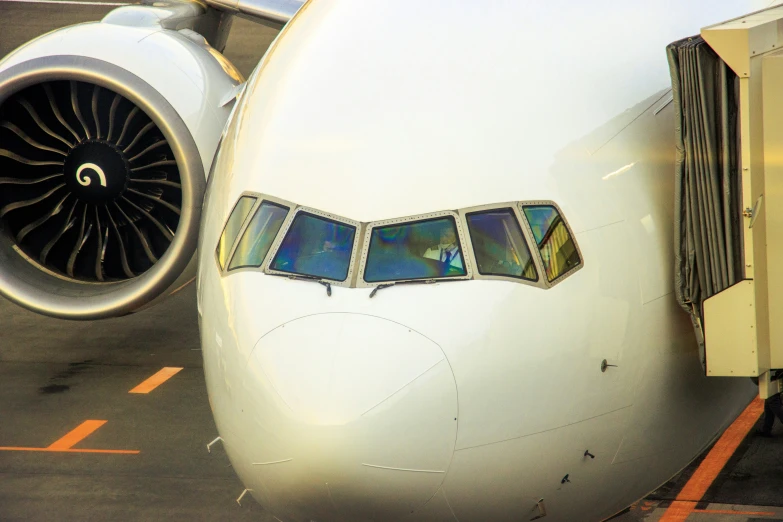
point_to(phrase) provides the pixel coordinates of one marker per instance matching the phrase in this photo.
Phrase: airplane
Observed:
(434, 253)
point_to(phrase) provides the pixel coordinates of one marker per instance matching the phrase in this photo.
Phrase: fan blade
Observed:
(57, 113)
(158, 182)
(76, 110)
(20, 159)
(19, 132)
(162, 163)
(96, 90)
(126, 125)
(99, 251)
(20, 204)
(66, 225)
(113, 114)
(139, 135)
(144, 245)
(78, 245)
(123, 256)
(34, 115)
(160, 226)
(41, 220)
(20, 181)
(148, 149)
(153, 199)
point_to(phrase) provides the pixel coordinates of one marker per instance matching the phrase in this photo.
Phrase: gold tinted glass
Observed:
(558, 250)
(233, 225)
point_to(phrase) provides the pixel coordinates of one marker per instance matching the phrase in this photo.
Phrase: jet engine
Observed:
(107, 131)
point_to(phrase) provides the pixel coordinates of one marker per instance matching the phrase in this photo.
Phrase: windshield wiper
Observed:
(413, 282)
(300, 277)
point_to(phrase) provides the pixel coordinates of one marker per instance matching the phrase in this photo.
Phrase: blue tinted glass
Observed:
(316, 246)
(499, 245)
(259, 234)
(541, 220)
(420, 250)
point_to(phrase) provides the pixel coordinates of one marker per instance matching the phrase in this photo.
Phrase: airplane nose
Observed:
(357, 418)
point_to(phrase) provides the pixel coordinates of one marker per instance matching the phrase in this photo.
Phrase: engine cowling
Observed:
(107, 131)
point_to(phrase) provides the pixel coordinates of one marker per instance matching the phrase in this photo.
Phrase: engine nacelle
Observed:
(107, 132)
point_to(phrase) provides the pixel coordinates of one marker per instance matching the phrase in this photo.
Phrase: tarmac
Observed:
(110, 420)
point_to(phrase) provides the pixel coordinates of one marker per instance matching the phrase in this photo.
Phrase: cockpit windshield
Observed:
(316, 246)
(499, 244)
(528, 242)
(418, 250)
(259, 235)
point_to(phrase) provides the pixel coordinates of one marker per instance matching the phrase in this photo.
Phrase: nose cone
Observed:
(357, 416)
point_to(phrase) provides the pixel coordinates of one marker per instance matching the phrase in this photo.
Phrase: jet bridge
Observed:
(728, 93)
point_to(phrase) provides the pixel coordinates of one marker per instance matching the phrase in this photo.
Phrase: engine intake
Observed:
(101, 185)
(97, 194)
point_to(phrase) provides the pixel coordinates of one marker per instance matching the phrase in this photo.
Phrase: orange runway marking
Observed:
(66, 443)
(76, 435)
(729, 512)
(711, 466)
(19, 448)
(156, 380)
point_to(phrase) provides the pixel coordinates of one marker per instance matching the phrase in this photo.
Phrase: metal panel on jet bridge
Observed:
(730, 332)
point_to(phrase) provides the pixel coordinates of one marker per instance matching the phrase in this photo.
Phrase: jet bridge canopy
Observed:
(728, 93)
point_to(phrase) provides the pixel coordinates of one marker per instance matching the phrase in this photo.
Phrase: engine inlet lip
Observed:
(25, 283)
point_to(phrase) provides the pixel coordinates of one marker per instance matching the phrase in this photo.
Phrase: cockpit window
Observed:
(417, 250)
(558, 250)
(499, 244)
(233, 226)
(259, 235)
(316, 246)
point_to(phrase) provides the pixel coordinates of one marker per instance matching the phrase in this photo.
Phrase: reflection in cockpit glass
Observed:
(499, 245)
(233, 225)
(316, 246)
(262, 230)
(419, 250)
(558, 250)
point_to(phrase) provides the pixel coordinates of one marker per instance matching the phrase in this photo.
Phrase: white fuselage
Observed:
(469, 400)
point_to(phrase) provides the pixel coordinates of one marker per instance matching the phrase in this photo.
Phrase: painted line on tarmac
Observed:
(156, 380)
(66, 443)
(66, 2)
(685, 503)
(76, 435)
(730, 512)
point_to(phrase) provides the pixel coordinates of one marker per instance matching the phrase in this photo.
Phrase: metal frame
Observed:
(550, 203)
(355, 277)
(461, 236)
(286, 227)
(260, 198)
(230, 253)
(526, 234)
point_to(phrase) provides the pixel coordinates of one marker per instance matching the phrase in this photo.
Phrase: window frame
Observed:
(363, 235)
(464, 244)
(327, 215)
(542, 274)
(230, 253)
(527, 234)
(260, 198)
